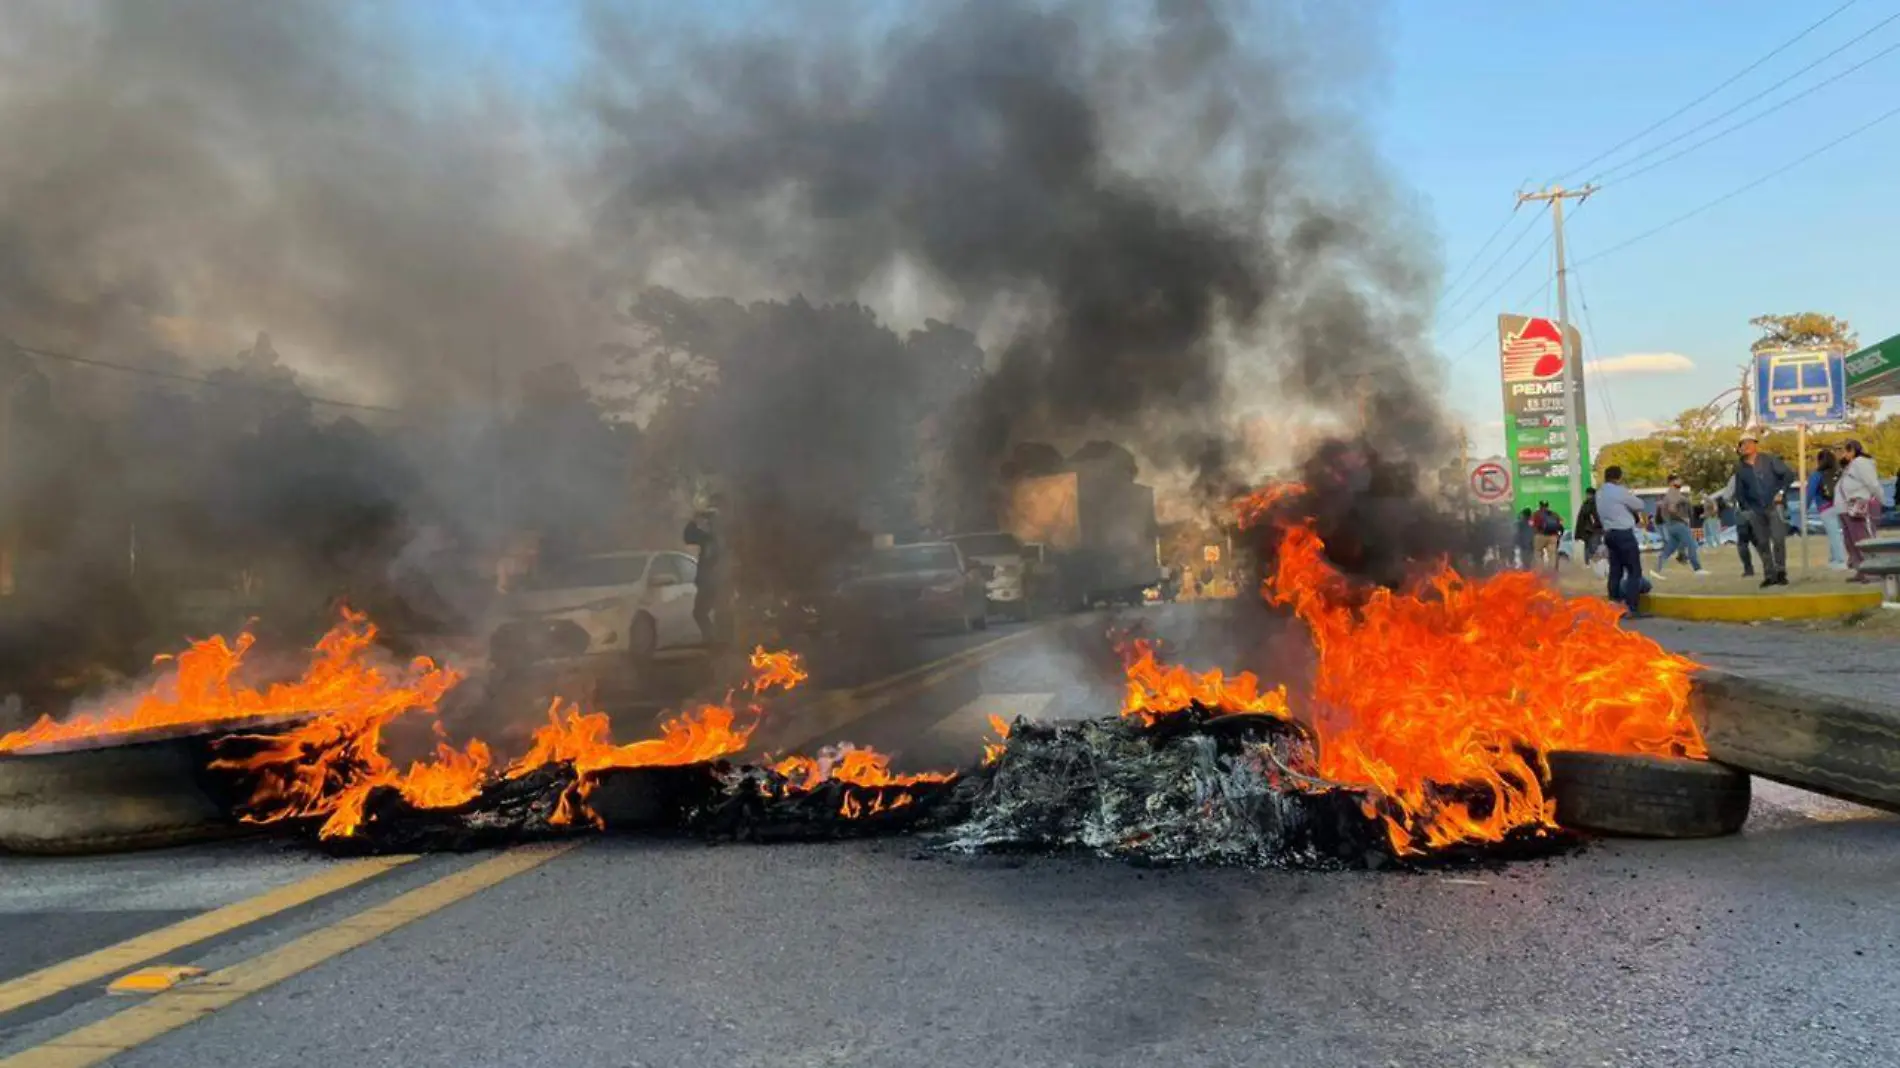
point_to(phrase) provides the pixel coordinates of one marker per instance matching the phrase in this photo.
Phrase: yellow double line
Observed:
(169, 1011)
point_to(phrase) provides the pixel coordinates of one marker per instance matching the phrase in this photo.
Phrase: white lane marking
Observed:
(1812, 806)
(973, 719)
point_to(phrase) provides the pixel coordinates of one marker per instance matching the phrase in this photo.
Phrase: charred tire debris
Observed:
(1647, 796)
(1195, 787)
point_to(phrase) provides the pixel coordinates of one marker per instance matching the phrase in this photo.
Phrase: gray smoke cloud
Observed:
(181, 174)
(1161, 219)
(1161, 206)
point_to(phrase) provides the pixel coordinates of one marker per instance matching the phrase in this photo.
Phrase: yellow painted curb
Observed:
(1755, 608)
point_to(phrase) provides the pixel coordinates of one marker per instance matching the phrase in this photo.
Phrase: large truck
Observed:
(1097, 527)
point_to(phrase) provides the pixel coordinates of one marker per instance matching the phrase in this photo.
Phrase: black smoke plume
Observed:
(1154, 210)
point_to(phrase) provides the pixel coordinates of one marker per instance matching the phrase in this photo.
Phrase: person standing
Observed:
(1526, 540)
(1621, 511)
(1821, 483)
(1762, 480)
(1711, 522)
(1547, 531)
(1589, 528)
(710, 596)
(1858, 494)
(1672, 521)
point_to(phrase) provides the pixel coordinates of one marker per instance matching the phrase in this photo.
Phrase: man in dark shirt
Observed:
(1589, 527)
(1761, 480)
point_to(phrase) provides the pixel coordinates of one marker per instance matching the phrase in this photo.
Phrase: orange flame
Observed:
(201, 686)
(776, 670)
(1440, 700)
(1156, 690)
(993, 751)
(856, 766)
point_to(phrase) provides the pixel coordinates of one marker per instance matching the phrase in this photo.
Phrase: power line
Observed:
(1758, 116)
(174, 376)
(1479, 279)
(1653, 149)
(1590, 337)
(1453, 284)
(1739, 190)
(1490, 333)
(1508, 279)
(1679, 112)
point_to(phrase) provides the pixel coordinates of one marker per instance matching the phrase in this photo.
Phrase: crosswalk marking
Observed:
(973, 719)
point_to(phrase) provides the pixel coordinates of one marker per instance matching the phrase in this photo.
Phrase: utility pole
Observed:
(1573, 371)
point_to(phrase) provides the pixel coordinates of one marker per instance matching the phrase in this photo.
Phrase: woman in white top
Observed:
(1857, 497)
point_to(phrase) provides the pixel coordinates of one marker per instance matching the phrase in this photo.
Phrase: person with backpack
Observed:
(1589, 525)
(1546, 529)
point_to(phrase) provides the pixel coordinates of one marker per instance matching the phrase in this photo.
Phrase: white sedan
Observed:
(631, 604)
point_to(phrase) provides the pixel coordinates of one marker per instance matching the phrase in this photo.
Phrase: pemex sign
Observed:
(1538, 443)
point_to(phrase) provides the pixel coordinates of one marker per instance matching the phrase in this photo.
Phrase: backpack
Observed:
(1547, 523)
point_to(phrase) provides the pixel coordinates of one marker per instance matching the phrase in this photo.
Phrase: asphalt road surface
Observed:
(1774, 947)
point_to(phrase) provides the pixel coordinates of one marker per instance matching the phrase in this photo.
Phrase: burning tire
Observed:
(1647, 796)
(139, 796)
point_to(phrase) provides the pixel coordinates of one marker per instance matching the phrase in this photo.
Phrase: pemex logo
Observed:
(1535, 352)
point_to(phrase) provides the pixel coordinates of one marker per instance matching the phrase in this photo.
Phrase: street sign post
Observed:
(1800, 388)
(1491, 483)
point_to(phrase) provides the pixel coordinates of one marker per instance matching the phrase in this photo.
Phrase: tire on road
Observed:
(140, 796)
(1647, 796)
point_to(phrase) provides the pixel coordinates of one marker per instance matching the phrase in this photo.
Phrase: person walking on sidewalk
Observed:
(1621, 511)
(1672, 520)
(1762, 480)
(1589, 528)
(1548, 531)
(1858, 494)
(1821, 482)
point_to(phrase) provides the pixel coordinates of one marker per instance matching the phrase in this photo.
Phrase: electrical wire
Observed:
(1452, 285)
(1679, 112)
(174, 376)
(1598, 385)
(1490, 333)
(1456, 299)
(1739, 190)
(1606, 178)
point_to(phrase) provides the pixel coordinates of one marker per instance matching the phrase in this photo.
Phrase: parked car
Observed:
(925, 586)
(631, 604)
(1009, 571)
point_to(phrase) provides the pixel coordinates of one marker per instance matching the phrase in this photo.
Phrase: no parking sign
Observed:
(1490, 483)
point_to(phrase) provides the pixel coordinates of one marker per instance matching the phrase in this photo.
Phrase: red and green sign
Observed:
(1538, 443)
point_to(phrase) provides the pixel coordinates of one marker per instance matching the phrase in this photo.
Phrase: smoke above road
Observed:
(1152, 213)
(847, 254)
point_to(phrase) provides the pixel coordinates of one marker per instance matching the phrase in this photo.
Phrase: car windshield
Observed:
(908, 558)
(989, 544)
(587, 571)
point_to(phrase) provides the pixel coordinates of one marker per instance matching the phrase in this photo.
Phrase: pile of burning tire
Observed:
(1447, 717)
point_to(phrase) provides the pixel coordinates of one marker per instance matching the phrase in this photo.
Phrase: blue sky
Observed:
(1482, 97)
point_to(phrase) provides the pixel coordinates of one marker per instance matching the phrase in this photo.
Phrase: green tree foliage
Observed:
(1802, 328)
